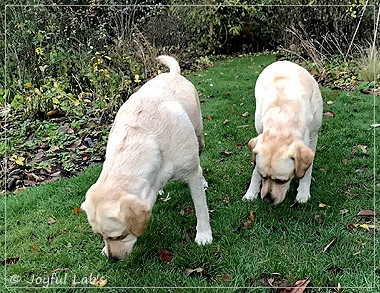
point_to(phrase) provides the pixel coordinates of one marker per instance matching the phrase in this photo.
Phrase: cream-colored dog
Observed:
(156, 137)
(287, 119)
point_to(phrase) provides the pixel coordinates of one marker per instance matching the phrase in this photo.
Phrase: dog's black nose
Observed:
(268, 198)
(113, 259)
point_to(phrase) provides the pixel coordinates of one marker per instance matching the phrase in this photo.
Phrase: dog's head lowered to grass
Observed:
(119, 221)
(278, 160)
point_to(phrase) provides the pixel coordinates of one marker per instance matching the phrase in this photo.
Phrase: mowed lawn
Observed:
(253, 242)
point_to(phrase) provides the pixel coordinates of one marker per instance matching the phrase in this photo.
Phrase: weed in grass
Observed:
(283, 242)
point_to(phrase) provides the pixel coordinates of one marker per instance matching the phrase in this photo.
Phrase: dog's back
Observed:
(289, 89)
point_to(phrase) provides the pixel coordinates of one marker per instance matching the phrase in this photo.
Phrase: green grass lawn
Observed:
(282, 243)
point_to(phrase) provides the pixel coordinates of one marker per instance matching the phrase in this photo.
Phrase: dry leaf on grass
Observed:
(166, 256)
(331, 244)
(251, 216)
(329, 114)
(323, 205)
(10, 260)
(99, 283)
(364, 226)
(298, 287)
(226, 277)
(76, 211)
(366, 213)
(51, 220)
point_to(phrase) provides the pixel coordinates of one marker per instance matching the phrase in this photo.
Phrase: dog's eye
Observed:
(279, 181)
(263, 177)
(116, 238)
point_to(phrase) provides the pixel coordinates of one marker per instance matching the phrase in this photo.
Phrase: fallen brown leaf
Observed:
(366, 213)
(76, 211)
(166, 256)
(247, 223)
(345, 161)
(227, 277)
(300, 286)
(329, 114)
(10, 260)
(251, 216)
(34, 177)
(209, 117)
(74, 145)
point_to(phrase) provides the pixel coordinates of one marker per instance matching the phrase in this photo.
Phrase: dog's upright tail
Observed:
(169, 62)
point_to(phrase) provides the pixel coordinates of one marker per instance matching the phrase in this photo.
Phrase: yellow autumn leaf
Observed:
(39, 51)
(99, 283)
(55, 100)
(37, 91)
(329, 102)
(18, 160)
(28, 84)
(137, 78)
(322, 205)
(364, 226)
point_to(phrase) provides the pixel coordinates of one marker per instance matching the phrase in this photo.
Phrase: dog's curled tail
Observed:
(169, 62)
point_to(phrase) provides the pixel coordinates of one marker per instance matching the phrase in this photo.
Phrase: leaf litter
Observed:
(276, 281)
(50, 150)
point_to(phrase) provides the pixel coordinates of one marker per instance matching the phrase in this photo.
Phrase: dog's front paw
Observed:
(104, 251)
(204, 237)
(250, 196)
(302, 197)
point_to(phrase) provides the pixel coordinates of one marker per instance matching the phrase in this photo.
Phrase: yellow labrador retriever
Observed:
(156, 137)
(287, 119)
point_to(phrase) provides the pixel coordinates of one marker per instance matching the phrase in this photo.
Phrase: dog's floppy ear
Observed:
(303, 157)
(137, 214)
(252, 144)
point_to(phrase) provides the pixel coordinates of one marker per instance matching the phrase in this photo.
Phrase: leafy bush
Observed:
(84, 59)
